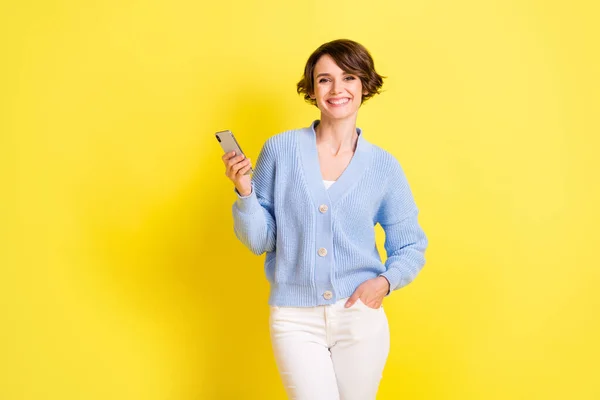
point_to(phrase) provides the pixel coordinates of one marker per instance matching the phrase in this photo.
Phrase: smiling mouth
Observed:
(339, 102)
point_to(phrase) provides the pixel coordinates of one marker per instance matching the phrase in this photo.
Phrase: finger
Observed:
(232, 168)
(352, 299)
(374, 304)
(368, 299)
(246, 163)
(234, 160)
(227, 156)
(235, 171)
(237, 167)
(227, 163)
(244, 170)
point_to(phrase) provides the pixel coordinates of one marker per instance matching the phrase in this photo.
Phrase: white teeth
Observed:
(338, 102)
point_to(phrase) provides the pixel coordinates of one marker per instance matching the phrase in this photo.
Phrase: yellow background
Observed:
(121, 277)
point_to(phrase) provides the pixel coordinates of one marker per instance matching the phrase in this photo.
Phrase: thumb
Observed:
(352, 299)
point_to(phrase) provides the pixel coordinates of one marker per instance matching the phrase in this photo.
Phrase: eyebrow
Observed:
(328, 74)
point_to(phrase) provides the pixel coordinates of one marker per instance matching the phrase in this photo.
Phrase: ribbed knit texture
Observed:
(318, 241)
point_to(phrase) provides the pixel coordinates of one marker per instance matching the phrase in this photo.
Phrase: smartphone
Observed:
(229, 144)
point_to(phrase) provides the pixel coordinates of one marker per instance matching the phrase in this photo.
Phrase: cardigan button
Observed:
(327, 295)
(323, 208)
(322, 252)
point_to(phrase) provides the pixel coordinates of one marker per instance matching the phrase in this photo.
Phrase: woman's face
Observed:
(337, 93)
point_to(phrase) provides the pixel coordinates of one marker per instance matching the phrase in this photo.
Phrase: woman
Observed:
(311, 206)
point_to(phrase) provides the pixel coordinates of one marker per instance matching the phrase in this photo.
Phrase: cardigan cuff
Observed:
(247, 204)
(390, 284)
(394, 276)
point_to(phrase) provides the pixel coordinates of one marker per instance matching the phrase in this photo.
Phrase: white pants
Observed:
(330, 352)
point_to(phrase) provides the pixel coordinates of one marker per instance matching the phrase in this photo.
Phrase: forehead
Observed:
(326, 64)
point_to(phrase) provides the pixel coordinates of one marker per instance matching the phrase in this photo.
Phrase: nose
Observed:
(336, 87)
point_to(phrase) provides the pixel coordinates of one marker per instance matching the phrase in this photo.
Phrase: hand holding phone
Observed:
(238, 167)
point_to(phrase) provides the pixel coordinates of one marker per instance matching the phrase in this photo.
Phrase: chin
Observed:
(339, 115)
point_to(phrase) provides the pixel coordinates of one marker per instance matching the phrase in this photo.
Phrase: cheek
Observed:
(320, 93)
(359, 88)
(321, 90)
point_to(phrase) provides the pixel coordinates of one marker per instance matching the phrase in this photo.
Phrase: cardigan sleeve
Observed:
(405, 241)
(253, 215)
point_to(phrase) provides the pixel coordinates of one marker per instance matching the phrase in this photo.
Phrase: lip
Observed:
(338, 99)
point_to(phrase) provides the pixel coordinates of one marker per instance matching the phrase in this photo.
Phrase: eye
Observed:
(323, 80)
(350, 78)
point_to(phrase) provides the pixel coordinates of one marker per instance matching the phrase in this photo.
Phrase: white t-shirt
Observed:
(328, 183)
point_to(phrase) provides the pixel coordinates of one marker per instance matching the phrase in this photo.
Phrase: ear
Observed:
(312, 96)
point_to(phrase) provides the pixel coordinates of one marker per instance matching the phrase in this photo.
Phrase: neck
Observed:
(337, 136)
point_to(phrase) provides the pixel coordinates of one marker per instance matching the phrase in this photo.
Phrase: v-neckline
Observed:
(312, 167)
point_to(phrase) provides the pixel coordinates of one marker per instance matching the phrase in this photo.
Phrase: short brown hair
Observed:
(350, 56)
